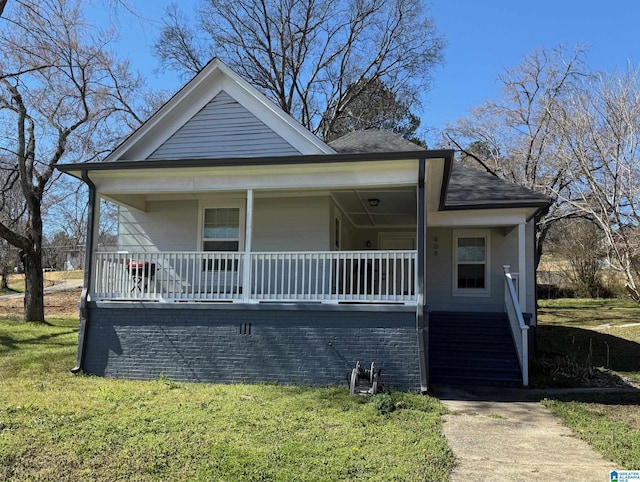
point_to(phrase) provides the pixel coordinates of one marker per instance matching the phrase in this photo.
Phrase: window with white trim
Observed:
(471, 262)
(221, 229)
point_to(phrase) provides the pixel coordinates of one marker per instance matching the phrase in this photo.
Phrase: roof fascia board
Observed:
(493, 217)
(446, 175)
(253, 161)
(497, 204)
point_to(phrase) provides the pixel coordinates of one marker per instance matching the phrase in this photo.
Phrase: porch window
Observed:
(221, 232)
(221, 229)
(471, 263)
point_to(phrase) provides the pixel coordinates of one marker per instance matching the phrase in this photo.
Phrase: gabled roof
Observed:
(217, 79)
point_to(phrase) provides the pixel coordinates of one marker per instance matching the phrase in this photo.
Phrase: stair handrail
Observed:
(519, 328)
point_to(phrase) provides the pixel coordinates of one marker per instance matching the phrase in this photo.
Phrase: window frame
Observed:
(472, 233)
(223, 204)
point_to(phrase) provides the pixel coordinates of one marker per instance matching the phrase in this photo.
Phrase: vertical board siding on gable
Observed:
(223, 128)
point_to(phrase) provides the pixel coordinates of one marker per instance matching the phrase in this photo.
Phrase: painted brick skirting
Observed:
(306, 345)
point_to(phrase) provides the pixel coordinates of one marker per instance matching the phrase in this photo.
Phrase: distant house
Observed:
(251, 251)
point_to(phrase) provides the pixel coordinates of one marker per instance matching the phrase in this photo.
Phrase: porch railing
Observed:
(168, 275)
(334, 276)
(519, 329)
(326, 276)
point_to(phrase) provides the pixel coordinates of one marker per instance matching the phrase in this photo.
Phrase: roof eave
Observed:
(540, 206)
(253, 161)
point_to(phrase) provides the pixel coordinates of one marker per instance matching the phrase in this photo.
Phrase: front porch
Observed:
(320, 264)
(311, 276)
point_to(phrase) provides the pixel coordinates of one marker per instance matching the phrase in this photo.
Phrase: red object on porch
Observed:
(141, 272)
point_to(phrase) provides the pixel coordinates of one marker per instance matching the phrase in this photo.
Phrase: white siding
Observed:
(223, 128)
(439, 281)
(291, 224)
(164, 226)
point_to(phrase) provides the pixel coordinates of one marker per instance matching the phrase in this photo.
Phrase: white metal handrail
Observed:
(519, 329)
(327, 276)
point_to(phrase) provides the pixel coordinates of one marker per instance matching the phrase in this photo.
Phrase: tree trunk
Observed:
(4, 275)
(33, 286)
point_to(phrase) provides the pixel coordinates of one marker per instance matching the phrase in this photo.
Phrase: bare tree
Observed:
(599, 133)
(307, 55)
(514, 137)
(63, 97)
(579, 241)
(375, 107)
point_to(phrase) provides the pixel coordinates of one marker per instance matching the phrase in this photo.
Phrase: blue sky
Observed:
(484, 37)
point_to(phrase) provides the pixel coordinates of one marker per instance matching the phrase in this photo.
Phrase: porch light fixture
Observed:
(374, 202)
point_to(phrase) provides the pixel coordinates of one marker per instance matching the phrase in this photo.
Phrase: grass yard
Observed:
(601, 333)
(610, 423)
(57, 426)
(602, 336)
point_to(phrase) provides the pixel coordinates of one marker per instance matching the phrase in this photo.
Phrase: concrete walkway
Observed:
(496, 435)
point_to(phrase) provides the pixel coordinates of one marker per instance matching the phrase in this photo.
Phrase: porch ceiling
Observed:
(378, 207)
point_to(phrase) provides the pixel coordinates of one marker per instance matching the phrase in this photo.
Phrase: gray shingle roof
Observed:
(468, 187)
(372, 141)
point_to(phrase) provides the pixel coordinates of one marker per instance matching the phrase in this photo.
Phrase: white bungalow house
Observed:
(251, 251)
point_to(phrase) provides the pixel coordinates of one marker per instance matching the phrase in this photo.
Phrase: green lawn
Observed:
(56, 426)
(603, 336)
(610, 423)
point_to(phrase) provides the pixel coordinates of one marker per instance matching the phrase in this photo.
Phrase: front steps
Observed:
(472, 349)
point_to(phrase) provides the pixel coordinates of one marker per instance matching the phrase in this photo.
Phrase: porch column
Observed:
(422, 315)
(248, 235)
(522, 266)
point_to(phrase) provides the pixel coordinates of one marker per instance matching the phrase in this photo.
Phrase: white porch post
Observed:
(522, 267)
(248, 234)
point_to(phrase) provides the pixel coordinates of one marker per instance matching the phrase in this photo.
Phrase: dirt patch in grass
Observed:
(61, 304)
